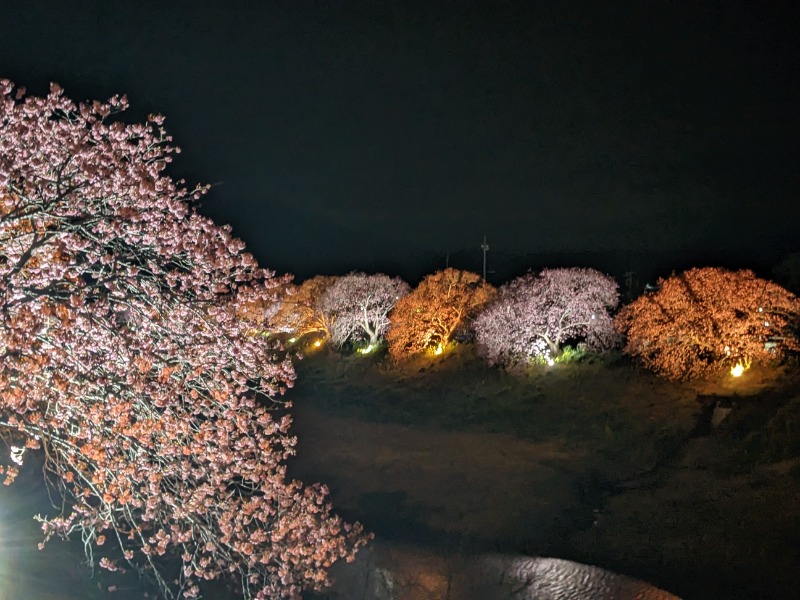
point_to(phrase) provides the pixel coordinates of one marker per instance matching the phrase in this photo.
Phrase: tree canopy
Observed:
(442, 304)
(299, 312)
(534, 315)
(124, 360)
(703, 319)
(357, 305)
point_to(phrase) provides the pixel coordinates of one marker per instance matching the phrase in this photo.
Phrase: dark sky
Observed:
(381, 135)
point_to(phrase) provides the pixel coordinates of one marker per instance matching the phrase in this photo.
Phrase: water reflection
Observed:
(382, 571)
(394, 572)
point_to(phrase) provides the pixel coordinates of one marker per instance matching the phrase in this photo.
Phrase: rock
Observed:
(722, 409)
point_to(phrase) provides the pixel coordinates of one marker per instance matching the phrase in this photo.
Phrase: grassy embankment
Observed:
(598, 462)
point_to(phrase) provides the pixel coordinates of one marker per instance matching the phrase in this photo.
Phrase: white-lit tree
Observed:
(358, 306)
(534, 315)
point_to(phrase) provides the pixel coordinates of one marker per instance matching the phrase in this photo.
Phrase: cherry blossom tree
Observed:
(703, 319)
(125, 360)
(441, 305)
(534, 315)
(299, 312)
(259, 312)
(358, 306)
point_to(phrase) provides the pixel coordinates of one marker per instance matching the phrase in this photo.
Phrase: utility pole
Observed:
(631, 282)
(485, 248)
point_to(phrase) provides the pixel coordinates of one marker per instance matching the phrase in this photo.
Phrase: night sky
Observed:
(382, 135)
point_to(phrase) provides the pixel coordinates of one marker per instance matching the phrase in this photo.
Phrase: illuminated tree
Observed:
(260, 311)
(358, 306)
(443, 303)
(299, 312)
(124, 360)
(534, 315)
(705, 318)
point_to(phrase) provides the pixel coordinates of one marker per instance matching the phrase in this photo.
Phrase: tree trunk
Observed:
(373, 336)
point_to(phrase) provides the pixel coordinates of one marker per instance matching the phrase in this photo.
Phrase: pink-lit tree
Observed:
(358, 306)
(125, 360)
(260, 312)
(534, 315)
(705, 319)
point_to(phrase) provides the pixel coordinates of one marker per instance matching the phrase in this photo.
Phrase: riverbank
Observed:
(599, 463)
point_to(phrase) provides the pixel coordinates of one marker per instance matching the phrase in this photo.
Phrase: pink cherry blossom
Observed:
(126, 358)
(534, 315)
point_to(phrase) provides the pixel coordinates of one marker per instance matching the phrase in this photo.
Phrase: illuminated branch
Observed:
(358, 306)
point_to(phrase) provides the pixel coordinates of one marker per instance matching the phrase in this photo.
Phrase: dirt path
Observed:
(418, 485)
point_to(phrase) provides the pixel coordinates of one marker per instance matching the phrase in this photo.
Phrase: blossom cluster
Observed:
(126, 357)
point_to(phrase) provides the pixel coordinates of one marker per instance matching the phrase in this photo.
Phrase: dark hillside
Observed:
(596, 462)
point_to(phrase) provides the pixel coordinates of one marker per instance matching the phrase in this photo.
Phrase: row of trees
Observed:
(693, 323)
(361, 308)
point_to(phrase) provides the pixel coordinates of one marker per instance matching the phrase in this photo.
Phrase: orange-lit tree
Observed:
(125, 361)
(443, 304)
(299, 312)
(704, 319)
